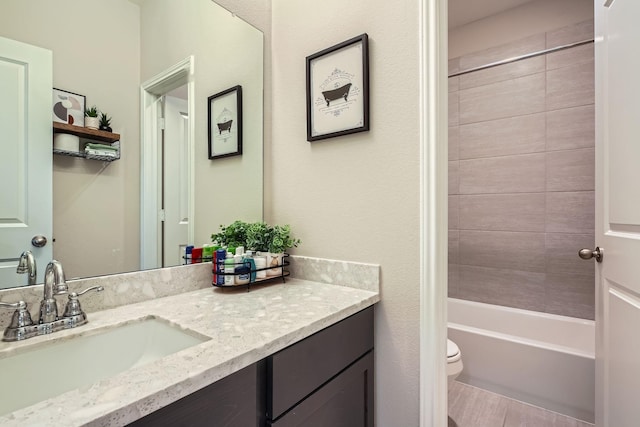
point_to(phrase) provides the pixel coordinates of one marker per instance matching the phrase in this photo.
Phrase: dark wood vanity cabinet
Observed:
(324, 380)
(234, 401)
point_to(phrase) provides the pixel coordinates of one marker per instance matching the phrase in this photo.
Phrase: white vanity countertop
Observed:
(244, 328)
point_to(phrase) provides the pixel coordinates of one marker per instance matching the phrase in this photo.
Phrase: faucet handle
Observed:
(73, 305)
(21, 317)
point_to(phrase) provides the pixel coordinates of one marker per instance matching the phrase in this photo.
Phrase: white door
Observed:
(618, 212)
(25, 156)
(175, 180)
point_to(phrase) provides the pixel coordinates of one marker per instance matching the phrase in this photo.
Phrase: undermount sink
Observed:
(45, 370)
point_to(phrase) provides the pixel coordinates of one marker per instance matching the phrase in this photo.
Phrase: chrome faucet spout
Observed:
(27, 264)
(54, 284)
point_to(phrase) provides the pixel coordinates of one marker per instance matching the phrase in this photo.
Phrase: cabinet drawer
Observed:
(298, 370)
(345, 401)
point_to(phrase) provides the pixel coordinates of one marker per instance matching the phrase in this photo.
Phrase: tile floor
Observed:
(473, 407)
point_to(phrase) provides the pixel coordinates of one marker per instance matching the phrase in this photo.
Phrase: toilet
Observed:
(454, 361)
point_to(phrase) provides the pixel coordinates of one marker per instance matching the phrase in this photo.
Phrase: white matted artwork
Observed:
(68, 107)
(338, 90)
(225, 123)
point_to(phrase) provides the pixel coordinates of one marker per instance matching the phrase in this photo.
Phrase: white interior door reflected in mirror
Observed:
(25, 163)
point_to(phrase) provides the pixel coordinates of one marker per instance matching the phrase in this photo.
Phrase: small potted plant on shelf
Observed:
(258, 236)
(105, 123)
(279, 241)
(91, 120)
(232, 235)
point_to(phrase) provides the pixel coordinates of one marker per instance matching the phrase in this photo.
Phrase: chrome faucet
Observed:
(54, 284)
(22, 327)
(27, 264)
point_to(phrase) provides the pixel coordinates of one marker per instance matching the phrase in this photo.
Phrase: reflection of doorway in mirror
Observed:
(175, 178)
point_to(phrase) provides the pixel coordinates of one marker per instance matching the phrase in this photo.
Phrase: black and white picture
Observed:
(338, 90)
(68, 107)
(225, 123)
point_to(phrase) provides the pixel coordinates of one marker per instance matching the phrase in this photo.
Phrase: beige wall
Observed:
(95, 207)
(531, 18)
(227, 54)
(356, 197)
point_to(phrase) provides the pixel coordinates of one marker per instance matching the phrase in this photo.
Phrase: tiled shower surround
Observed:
(521, 175)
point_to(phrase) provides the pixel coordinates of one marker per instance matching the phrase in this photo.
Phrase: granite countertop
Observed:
(244, 328)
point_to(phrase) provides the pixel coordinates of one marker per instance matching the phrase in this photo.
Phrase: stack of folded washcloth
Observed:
(101, 150)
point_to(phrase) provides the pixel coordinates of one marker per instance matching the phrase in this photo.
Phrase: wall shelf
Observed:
(93, 134)
(100, 136)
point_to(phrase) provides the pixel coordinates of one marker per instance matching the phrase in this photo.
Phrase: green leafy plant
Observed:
(280, 239)
(234, 234)
(105, 121)
(91, 112)
(258, 236)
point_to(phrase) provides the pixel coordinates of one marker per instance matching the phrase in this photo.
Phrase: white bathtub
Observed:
(542, 359)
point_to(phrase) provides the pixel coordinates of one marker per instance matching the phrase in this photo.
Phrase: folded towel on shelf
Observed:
(94, 146)
(107, 153)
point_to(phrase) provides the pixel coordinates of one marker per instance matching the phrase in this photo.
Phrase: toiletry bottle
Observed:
(221, 256)
(261, 265)
(207, 252)
(187, 254)
(196, 255)
(248, 258)
(229, 270)
(243, 274)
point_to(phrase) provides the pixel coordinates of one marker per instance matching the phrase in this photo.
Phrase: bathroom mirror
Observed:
(106, 51)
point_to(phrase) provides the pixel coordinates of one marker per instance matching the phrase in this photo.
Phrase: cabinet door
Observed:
(298, 370)
(234, 401)
(345, 401)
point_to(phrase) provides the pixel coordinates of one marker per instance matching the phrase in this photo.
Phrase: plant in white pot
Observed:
(279, 240)
(91, 119)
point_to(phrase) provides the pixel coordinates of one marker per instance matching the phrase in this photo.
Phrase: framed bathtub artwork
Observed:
(68, 107)
(225, 123)
(338, 90)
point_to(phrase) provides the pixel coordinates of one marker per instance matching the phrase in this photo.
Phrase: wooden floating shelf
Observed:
(93, 134)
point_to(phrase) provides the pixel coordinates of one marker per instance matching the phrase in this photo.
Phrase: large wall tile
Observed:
(571, 128)
(453, 246)
(454, 177)
(572, 170)
(454, 83)
(570, 86)
(510, 174)
(503, 72)
(523, 46)
(570, 34)
(453, 281)
(570, 212)
(454, 142)
(503, 137)
(502, 212)
(575, 55)
(570, 295)
(500, 249)
(512, 288)
(524, 95)
(454, 108)
(561, 253)
(454, 65)
(453, 212)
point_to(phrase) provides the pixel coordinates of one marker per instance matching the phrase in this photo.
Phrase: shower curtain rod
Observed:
(520, 58)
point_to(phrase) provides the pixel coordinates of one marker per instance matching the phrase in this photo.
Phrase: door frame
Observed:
(150, 91)
(433, 100)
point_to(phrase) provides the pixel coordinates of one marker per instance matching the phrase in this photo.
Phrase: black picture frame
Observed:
(338, 89)
(224, 113)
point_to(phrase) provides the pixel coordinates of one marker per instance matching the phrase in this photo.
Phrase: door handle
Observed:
(39, 241)
(587, 253)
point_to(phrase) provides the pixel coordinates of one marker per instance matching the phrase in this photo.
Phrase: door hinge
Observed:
(162, 215)
(161, 123)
